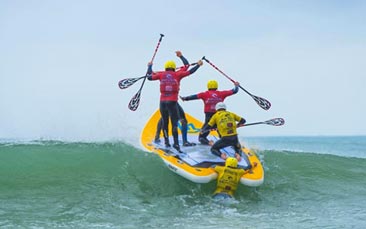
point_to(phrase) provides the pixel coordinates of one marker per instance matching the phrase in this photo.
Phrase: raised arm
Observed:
(184, 60)
(199, 64)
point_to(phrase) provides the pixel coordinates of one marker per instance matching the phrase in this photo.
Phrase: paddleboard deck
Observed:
(196, 163)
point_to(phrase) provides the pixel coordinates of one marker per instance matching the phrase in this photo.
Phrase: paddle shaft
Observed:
(271, 122)
(251, 124)
(223, 73)
(135, 101)
(263, 103)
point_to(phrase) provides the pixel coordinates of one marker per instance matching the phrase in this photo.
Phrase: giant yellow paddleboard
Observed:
(196, 162)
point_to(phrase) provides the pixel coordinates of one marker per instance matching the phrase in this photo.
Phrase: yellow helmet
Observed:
(231, 162)
(212, 84)
(170, 65)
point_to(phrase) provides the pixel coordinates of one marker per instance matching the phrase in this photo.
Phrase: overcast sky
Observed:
(60, 62)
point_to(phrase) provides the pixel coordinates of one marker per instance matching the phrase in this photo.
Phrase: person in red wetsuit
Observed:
(210, 98)
(184, 128)
(169, 90)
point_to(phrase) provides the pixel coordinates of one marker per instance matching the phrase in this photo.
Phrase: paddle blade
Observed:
(263, 103)
(135, 101)
(125, 83)
(275, 122)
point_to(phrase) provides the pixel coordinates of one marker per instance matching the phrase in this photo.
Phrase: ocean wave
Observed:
(81, 182)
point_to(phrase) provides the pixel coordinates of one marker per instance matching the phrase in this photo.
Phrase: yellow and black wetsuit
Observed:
(227, 181)
(226, 126)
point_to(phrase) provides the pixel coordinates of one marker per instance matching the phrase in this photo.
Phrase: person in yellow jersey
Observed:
(228, 178)
(226, 123)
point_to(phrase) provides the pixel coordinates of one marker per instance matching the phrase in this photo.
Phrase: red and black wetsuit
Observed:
(210, 98)
(169, 90)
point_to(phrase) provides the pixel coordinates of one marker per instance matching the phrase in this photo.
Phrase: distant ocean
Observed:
(310, 182)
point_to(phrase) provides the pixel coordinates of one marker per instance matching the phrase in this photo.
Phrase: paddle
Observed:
(271, 122)
(135, 101)
(125, 83)
(263, 103)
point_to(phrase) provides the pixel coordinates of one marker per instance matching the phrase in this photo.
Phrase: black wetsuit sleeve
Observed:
(235, 89)
(242, 122)
(149, 72)
(184, 60)
(192, 70)
(206, 128)
(190, 97)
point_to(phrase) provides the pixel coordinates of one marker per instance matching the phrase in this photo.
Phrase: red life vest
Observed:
(212, 97)
(169, 83)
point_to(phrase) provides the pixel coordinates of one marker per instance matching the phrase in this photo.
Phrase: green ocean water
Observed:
(49, 184)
